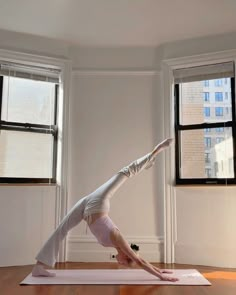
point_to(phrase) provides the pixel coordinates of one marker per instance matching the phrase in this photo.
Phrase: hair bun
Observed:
(134, 247)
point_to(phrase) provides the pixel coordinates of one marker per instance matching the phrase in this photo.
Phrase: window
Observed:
(218, 82)
(207, 158)
(28, 123)
(226, 95)
(218, 96)
(206, 83)
(220, 129)
(208, 172)
(207, 111)
(219, 111)
(207, 142)
(206, 96)
(205, 134)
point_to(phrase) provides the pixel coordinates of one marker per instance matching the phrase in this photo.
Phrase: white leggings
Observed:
(96, 202)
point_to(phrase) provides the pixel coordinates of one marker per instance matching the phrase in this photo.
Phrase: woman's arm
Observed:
(120, 243)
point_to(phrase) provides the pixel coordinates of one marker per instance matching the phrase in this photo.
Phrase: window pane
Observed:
(28, 101)
(218, 82)
(219, 111)
(207, 111)
(206, 96)
(198, 106)
(218, 96)
(26, 154)
(206, 156)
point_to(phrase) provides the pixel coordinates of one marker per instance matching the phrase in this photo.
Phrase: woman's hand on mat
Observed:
(166, 271)
(169, 279)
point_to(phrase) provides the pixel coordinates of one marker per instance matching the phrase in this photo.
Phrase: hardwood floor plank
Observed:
(223, 282)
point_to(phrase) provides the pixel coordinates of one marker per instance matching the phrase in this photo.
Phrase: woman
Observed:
(94, 209)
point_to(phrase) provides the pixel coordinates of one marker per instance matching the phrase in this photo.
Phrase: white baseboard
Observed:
(208, 255)
(86, 249)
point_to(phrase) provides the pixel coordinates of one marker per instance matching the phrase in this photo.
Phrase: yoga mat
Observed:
(115, 277)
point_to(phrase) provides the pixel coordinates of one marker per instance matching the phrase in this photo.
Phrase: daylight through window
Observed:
(205, 124)
(28, 123)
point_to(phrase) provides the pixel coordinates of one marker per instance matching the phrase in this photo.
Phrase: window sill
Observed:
(208, 185)
(28, 184)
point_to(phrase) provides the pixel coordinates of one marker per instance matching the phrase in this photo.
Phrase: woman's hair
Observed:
(134, 247)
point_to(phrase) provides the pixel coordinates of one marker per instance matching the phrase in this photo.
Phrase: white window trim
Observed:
(64, 65)
(168, 66)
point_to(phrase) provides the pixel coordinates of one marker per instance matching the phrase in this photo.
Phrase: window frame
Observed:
(35, 128)
(178, 128)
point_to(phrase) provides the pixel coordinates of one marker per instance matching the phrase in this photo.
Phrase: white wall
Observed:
(206, 224)
(114, 115)
(27, 217)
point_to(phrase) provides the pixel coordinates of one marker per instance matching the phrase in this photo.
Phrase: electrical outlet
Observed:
(112, 256)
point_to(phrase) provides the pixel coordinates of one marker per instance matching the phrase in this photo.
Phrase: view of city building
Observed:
(206, 153)
(23, 153)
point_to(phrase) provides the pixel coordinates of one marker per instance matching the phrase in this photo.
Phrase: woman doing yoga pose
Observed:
(94, 209)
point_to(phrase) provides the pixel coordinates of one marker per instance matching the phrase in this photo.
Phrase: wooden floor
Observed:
(223, 282)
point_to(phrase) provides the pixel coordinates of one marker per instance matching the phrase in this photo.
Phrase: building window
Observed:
(219, 111)
(218, 82)
(207, 111)
(207, 142)
(218, 96)
(206, 96)
(28, 123)
(206, 83)
(226, 95)
(220, 129)
(207, 158)
(202, 156)
(207, 130)
(208, 172)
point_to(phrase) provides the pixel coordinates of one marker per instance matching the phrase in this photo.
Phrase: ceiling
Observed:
(118, 23)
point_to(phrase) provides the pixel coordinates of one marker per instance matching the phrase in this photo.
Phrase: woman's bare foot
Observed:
(161, 146)
(39, 271)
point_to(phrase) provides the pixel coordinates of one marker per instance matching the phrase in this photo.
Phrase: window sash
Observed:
(179, 128)
(36, 128)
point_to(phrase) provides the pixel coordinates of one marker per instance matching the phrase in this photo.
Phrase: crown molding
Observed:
(115, 72)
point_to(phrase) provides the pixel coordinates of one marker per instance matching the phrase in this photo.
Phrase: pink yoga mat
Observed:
(115, 277)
